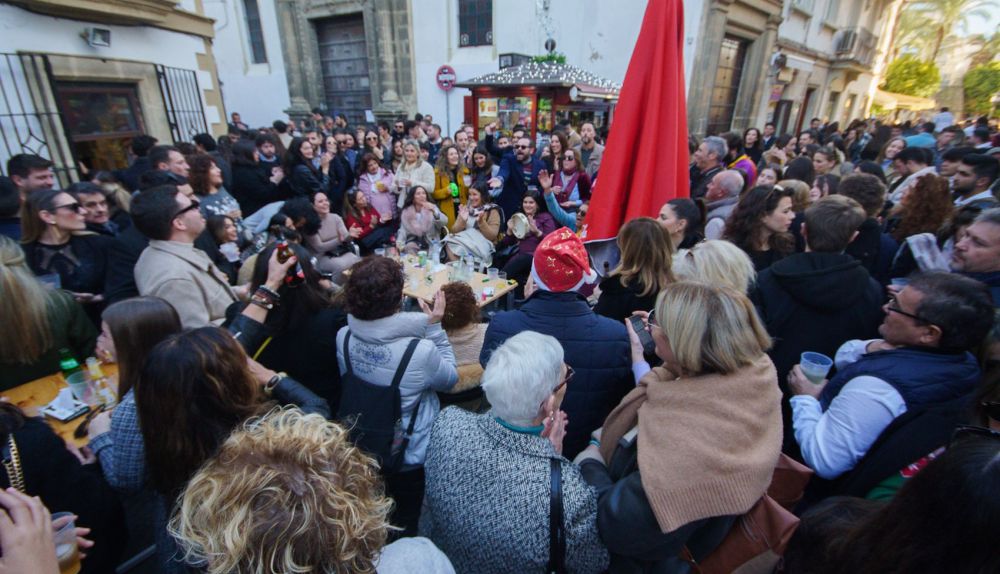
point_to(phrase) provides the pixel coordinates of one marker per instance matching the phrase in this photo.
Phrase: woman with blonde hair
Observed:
(703, 451)
(57, 244)
(304, 473)
(412, 171)
(715, 262)
(644, 270)
(37, 322)
(801, 198)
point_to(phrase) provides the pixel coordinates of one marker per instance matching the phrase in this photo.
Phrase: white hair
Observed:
(521, 374)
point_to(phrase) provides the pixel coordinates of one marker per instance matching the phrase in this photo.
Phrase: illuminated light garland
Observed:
(542, 74)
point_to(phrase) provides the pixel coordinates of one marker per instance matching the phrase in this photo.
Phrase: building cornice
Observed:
(156, 13)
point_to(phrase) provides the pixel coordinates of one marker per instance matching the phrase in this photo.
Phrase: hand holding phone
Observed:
(638, 326)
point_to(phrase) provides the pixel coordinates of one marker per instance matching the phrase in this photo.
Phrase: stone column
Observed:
(292, 46)
(705, 63)
(390, 60)
(761, 89)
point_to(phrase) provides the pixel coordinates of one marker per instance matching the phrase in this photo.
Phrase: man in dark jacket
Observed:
(597, 348)
(814, 301)
(518, 171)
(922, 360)
(874, 249)
(129, 176)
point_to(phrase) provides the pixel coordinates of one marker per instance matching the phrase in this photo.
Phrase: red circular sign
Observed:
(446, 77)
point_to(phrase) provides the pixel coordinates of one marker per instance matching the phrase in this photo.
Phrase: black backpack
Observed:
(373, 413)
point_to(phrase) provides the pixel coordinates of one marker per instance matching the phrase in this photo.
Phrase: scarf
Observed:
(707, 444)
(568, 183)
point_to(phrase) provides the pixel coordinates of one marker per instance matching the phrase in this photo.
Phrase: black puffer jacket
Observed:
(815, 302)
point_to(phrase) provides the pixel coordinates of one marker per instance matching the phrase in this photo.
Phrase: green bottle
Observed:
(68, 363)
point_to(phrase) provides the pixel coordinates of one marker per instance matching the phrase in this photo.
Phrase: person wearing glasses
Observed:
(490, 473)
(171, 267)
(519, 169)
(922, 360)
(57, 244)
(570, 184)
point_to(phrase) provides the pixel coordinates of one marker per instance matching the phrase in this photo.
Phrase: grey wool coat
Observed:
(486, 503)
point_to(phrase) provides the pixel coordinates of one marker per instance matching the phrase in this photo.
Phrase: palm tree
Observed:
(912, 34)
(949, 16)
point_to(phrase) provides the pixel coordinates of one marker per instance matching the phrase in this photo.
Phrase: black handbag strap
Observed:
(557, 536)
(347, 354)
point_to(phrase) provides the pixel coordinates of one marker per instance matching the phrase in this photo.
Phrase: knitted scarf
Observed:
(707, 444)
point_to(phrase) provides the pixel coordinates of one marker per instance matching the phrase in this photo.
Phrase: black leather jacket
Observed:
(251, 334)
(628, 526)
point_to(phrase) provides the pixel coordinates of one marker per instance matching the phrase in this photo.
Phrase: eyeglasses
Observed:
(194, 205)
(75, 206)
(569, 158)
(519, 146)
(893, 306)
(962, 432)
(569, 377)
(651, 320)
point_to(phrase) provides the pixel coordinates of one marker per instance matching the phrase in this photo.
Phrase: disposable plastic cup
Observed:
(80, 386)
(815, 366)
(492, 273)
(67, 552)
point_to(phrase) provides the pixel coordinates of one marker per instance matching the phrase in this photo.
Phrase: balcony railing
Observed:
(856, 45)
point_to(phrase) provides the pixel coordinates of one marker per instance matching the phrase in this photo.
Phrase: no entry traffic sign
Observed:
(446, 77)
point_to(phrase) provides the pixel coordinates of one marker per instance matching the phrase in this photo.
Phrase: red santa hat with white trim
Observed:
(561, 263)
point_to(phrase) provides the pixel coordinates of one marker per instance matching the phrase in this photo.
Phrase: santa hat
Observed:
(561, 262)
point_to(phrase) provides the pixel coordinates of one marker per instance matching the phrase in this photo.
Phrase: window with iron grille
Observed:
(475, 23)
(255, 32)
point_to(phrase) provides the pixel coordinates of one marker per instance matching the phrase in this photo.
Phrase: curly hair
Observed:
(287, 492)
(460, 308)
(200, 164)
(924, 208)
(375, 288)
(745, 226)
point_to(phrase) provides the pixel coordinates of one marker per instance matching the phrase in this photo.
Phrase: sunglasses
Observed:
(194, 205)
(894, 307)
(75, 206)
(963, 432)
(569, 158)
(519, 146)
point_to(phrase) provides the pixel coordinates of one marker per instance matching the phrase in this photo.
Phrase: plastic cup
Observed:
(80, 387)
(492, 273)
(815, 366)
(502, 275)
(421, 258)
(65, 540)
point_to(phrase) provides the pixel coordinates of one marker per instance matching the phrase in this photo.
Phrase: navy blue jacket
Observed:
(923, 377)
(514, 184)
(991, 280)
(596, 347)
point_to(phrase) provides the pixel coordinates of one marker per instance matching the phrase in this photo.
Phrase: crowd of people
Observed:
(282, 407)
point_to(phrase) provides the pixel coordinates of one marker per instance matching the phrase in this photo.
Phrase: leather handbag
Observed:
(557, 534)
(759, 537)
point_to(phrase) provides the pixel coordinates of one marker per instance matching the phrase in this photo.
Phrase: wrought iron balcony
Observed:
(856, 46)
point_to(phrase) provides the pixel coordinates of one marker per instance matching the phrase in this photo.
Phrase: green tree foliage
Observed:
(911, 76)
(981, 84)
(946, 17)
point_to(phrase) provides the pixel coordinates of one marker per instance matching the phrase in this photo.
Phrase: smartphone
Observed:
(648, 346)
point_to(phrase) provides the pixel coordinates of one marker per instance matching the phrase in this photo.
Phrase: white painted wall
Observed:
(259, 92)
(23, 31)
(595, 35)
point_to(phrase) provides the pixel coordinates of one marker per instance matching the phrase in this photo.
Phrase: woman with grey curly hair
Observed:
(289, 492)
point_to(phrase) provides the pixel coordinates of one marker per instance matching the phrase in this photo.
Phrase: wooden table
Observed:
(36, 394)
(429, 283)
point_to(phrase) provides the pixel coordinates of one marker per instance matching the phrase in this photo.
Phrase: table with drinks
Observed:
(424, 278)
(93, 387)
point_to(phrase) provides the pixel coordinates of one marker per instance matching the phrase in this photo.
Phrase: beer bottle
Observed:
(68, 363)
(295, 275)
